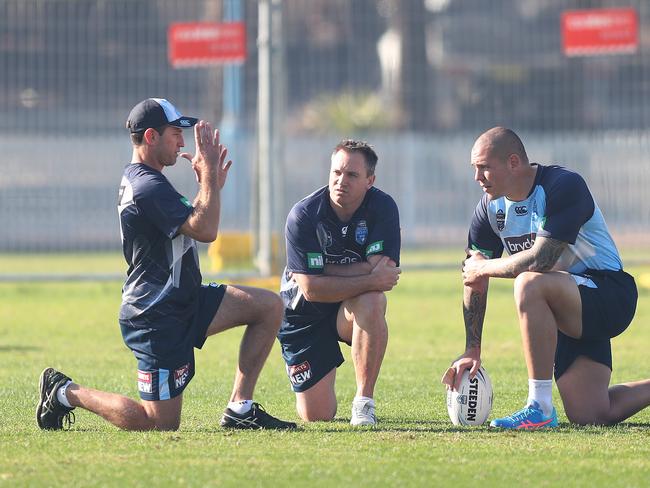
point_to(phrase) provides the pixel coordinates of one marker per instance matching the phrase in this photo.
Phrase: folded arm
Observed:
(341, 282)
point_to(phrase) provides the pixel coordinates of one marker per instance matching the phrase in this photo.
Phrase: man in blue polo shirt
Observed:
(166, 312)
(571, 292)
(343, 247)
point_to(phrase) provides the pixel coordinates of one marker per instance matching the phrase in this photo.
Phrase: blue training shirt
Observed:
(163, 277)
(315, 237)
(560, 207)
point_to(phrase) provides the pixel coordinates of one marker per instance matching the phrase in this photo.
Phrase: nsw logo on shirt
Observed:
(361, 232)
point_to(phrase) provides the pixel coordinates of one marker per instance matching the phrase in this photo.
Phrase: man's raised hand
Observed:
(208, 164)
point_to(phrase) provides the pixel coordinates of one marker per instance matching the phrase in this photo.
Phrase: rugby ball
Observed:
(472, 403)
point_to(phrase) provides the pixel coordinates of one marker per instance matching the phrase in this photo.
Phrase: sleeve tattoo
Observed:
(542, 257)
(474, 305)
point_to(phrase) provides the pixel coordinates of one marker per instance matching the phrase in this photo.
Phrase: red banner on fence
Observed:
(206, 43)
(600, 31)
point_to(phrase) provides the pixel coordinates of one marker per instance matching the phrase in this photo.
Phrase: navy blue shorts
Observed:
(310, 347)
(607, 310)
(165, 354)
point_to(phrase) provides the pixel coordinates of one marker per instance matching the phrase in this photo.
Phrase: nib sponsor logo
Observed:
(314, 260)
(519, 243)
(299, 373)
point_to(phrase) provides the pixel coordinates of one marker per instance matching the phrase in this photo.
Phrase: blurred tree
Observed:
(414, 90)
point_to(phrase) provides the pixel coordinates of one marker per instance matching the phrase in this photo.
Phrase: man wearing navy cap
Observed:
(166, 312)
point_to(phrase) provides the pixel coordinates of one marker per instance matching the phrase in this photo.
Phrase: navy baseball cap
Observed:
(156, 112)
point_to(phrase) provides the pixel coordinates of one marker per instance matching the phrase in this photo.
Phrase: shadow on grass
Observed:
(412, 426)
(599, 429)
(401, 425)
(18, 348)
(438, 426)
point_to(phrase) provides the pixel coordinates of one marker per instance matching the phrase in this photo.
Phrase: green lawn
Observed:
(112, 263)
(72, 326)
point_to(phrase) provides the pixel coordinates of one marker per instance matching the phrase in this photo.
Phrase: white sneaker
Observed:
(363, 413)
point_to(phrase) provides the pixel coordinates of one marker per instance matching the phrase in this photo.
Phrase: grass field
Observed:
(72, 326)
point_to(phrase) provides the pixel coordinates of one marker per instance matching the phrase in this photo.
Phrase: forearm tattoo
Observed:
(542, 257)
(474, 305)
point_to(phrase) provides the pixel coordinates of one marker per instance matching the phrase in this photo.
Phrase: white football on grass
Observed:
(472, 403)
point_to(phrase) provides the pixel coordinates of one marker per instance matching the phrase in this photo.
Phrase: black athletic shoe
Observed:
(255, 418)
(50, 414)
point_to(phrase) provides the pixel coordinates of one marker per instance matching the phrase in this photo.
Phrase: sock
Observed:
(240, 407)
(60, 395)
(541, 391)
(363, 399)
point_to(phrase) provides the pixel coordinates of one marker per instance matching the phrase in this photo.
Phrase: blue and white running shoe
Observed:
(530, 417)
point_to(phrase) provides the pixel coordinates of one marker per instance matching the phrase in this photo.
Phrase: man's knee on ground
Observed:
(167, 425)
(159, 420)
(158, 423)
(316, 411)
(585, 395)
(586, 416)
(318, 403)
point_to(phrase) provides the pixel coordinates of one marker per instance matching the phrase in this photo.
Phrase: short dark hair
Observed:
(369, 154)
(138, 137)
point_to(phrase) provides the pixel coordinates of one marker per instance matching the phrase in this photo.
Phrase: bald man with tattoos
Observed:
(571, 293)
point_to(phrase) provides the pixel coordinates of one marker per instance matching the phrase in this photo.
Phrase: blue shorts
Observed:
(607, 310)
(165, 353)
(310, 347)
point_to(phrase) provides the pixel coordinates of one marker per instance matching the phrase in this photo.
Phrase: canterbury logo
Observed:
(521, 209)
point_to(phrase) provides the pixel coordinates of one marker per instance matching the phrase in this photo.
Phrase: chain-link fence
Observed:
(420, 79)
